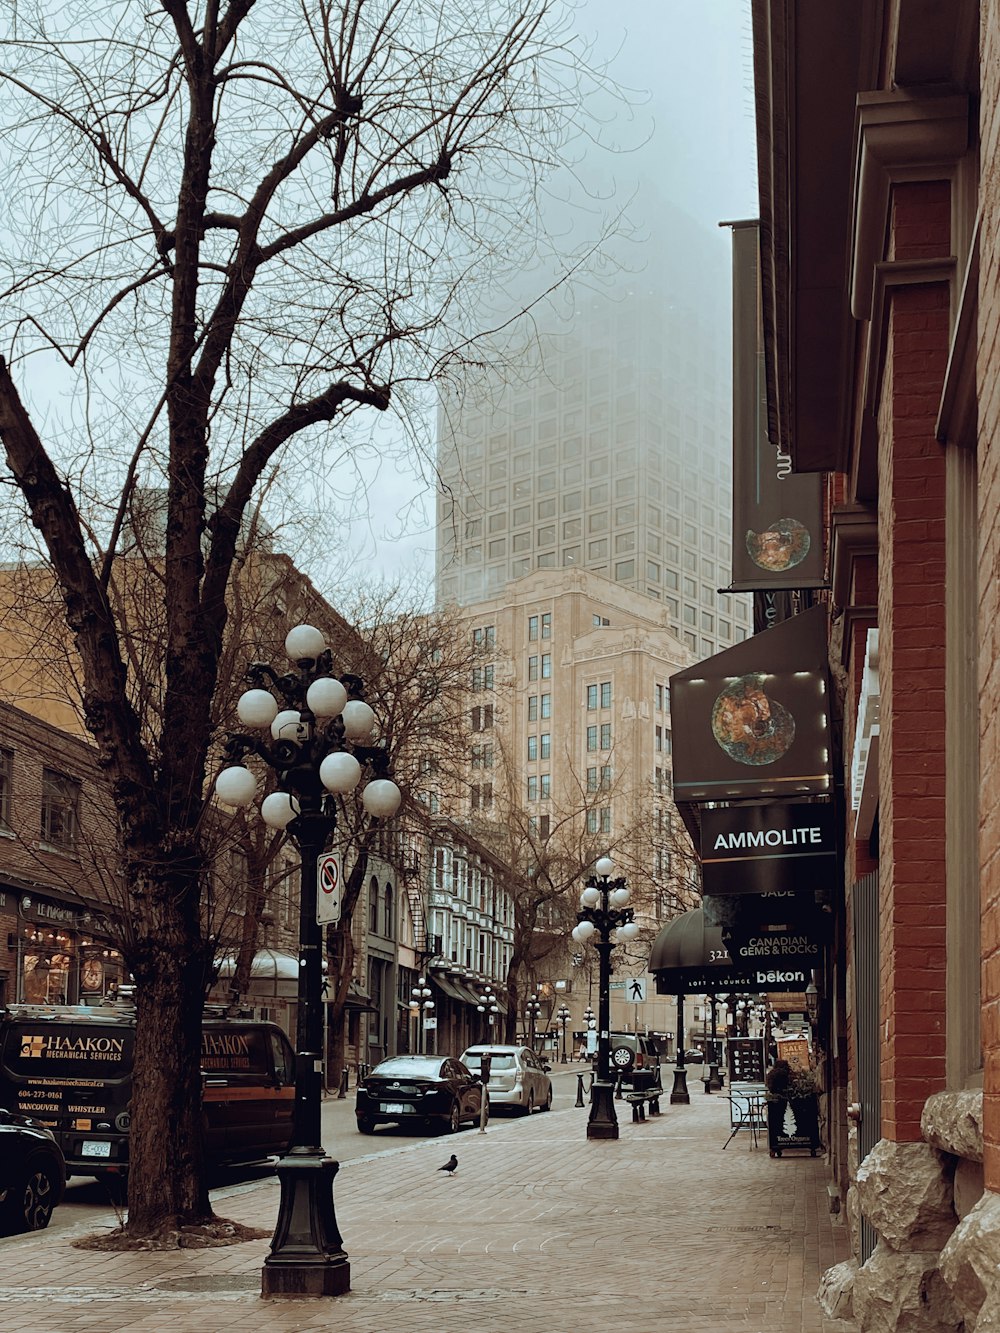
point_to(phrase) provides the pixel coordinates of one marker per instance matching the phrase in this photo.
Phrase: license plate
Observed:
(393, 1108)
(95, 1148)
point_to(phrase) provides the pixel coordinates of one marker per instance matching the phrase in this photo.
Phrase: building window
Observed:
(659, 698)
(545, 745)
(532, 707)
(592, 779)
(607, 776)
(591, 821)
(533, 668)
(482, 796)
(591, 738)
(485, 637)
(387, 901)
(658, 741)
(545, 786)
(546, 710)
(532, 748)
(606, 820)
(533, 788)
(60, 808)
(482, 718)
(532, 627)
(605, 735)
(667, 741)
(601, 620)
(547, 625)
(605, 693)
(546, 666)
(373, 906)
(543, 826)
(6, 779)
(591, 698)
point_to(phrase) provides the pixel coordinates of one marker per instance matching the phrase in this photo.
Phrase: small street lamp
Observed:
(488, 1008)
(317, 753)
(421, 1005)
(590, 1018)
(562, 1017)
(603, 913)
(532, 1009)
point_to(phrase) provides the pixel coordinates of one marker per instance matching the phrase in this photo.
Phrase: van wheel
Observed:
(366, 1125)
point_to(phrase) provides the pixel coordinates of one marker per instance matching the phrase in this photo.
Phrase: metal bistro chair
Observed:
(746, 1111)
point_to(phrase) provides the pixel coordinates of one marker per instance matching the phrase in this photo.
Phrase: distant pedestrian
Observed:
(583, 1050)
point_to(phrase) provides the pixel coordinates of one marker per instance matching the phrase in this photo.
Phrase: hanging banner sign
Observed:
(775, 848)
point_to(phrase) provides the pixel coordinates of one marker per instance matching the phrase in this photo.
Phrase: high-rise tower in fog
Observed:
(609, 450)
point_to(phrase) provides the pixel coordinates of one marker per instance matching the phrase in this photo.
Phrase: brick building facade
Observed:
(877, 128)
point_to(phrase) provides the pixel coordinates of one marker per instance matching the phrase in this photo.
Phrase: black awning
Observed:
(691, 958)
(356, 999)
(447, 987)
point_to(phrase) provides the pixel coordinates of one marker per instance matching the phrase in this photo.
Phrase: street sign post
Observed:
(328, 888)
(635, 990)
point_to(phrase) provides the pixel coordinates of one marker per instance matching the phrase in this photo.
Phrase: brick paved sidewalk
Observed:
(539, 1231)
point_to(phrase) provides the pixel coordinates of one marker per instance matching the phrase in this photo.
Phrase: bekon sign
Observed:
(767, 848)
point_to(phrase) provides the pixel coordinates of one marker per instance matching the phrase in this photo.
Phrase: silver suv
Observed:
(633, 1054)
(518, 1077)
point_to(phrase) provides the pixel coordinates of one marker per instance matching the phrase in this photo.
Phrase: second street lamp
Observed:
(421, 1004)
(316, 754)
(562, 1016)
(603, 913)
(488, 1008)
(532, 1009)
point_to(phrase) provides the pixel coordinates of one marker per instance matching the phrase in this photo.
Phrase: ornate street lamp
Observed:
(421, 1005)
(603, 913)
(318, 727)
(489, 1008)
(562, 1017)
(532, 1008)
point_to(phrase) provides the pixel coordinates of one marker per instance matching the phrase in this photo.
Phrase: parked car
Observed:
(631, 1054)
(694, 1056)
(429, 1091)
(32, 1174)
(518, 1077)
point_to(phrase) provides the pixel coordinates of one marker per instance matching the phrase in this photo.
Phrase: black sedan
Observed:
(429, 1091)
(32, 1174)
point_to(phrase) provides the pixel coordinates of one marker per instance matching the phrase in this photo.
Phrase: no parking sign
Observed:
(327, 888)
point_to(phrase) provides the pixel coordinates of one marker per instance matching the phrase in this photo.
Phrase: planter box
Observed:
(793, 1124)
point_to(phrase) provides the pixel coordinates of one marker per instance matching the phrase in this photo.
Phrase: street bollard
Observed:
(343, 1084)
(579, 1090)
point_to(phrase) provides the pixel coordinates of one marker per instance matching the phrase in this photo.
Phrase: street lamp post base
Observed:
(679, 1094)
(307, 1255)
(714, 1082)
(602, 1122)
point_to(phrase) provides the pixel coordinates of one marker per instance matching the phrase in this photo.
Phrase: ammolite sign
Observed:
(775, 848)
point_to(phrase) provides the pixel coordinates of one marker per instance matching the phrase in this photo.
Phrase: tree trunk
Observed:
(167, 1188)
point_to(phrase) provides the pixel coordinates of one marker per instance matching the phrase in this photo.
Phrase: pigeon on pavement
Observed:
(451, 1165)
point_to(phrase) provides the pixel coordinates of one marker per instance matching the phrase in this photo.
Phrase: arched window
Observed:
(389, 926)
(373, 897)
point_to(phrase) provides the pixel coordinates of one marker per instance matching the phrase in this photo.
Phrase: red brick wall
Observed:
(911, 671)
(988, 374)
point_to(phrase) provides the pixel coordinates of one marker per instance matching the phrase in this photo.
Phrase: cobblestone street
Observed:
(539, 1230)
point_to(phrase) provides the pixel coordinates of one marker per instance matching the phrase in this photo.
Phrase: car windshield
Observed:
(498, 1059)
(409, 1067)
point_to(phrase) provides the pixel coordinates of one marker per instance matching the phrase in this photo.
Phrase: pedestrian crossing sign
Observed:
(635, 990)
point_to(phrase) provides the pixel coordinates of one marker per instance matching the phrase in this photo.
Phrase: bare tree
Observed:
(230, 229)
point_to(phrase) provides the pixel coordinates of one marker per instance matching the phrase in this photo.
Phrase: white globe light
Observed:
(615, 935)
(236, 786)
(605, 867)
(257, 708)
(381, 798)
(575, 935)
(304, 641)
(584, 930)
(340, 772)
(620, 897)
(326, 697)
(278, 809)
(629, 931)
(358, 720)
(286, 725)
(590, 897)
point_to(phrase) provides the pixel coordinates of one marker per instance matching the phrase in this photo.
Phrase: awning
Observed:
(447, 987)
(357, 1000)
(691, 958)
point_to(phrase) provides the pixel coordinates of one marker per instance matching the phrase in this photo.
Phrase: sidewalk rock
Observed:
(905, 1192)
(953, 1122)
(970, 1264)
(903, 1293)
(836, 1290)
